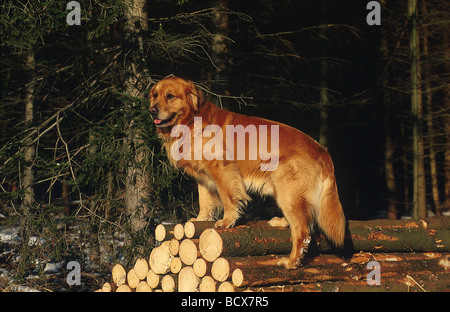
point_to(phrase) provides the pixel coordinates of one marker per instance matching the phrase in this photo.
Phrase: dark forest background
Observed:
(81, 165)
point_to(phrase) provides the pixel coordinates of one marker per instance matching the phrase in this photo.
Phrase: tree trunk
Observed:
(29, 154)
(136, 80)
(220, 50)
(324, 101)
(430, 120)
(389, 141)
(419, 200)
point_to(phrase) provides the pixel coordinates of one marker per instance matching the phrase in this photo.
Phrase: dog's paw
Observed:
(224, 224)
(278, 222)
(288, 263)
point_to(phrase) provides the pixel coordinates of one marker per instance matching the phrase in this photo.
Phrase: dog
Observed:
(300, 175)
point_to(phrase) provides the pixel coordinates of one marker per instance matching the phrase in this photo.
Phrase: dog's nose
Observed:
(154, 111)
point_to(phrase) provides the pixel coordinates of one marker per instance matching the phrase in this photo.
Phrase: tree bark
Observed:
(136, 80)
(220, 50)
(419, 200)
(430, 120)
(389, 141)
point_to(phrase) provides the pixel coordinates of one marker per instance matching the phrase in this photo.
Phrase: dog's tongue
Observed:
(157, 121)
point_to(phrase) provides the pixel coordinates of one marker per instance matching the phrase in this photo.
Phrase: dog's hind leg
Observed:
(296, 211)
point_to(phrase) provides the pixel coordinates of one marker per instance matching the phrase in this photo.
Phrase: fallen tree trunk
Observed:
(272, 275)
(193, 229)
(244, 241)
(407, 283)
(374, 236)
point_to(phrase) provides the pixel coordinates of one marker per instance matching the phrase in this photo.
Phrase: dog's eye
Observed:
(170, 96)
(155, 95)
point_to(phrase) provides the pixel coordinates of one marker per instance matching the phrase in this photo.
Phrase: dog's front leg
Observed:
(207, 203)
(231, 189)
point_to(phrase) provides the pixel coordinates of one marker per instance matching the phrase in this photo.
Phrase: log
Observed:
(174, 246)
(178, 231)
(207, 284)
(141, 268)
(106, 287)
(222, 268)
(143, 287)
(132, 279)
(189, 251)
(244, 241)
(123, 288)
(226, 287)
(169, 283)
(153, 279)
(187, 280)
(276, 275)
(193, 229)
(202, 267)
(160, 259)
(405, 283)
(176, 265)
(164, 232)
(432, 234)
(119, 275)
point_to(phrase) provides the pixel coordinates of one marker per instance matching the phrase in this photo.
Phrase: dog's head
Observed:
(174, 101)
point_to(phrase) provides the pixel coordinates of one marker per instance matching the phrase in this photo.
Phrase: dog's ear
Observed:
(194, 96)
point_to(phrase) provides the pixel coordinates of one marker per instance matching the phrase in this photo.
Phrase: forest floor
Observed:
(47, 275)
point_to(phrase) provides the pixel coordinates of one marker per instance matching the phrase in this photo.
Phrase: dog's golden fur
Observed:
(303, 184)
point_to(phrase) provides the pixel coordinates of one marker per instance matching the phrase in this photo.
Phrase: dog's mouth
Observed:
(164, 122)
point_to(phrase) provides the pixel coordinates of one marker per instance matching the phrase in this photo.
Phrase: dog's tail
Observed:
(330, 216)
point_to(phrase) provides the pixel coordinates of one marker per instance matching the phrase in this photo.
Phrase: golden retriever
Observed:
(229, 154)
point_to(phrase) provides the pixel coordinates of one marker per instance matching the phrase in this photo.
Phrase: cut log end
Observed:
(178, 231)
(200, 267)
(141, 268)
(123, 288)
(168, 283)
(188, 251)
(176, 265)
(220, 269)
(207, 284)
(226, 287)
(143, 287)
(153, 279)
(132, 279)
(237, 277)
(211, 245)
(187, 280)
(193, 229)
(160, 259)
(119, 275)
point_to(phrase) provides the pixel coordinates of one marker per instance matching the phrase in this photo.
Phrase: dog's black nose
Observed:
(154, 110)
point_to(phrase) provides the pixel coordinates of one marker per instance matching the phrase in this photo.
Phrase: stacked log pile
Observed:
(386, 255)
